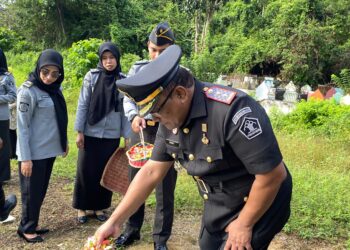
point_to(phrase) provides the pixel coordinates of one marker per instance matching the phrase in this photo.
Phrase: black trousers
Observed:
(264, 230)
(5, 172)
(164, 216)
(33, 191)
(13, 140)
(2, 197)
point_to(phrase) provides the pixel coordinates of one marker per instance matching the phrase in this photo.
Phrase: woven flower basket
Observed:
(115, 175)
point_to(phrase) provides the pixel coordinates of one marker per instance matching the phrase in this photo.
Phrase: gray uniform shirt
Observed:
(130, 107)
(7, 94)
(113, 125)
(37, 128)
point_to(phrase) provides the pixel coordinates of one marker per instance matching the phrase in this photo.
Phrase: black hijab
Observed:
(3, 63)
(104, 98)
(46, 58)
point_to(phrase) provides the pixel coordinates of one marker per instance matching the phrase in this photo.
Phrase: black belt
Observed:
(206, 187)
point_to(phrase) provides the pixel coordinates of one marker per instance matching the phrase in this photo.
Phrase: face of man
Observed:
(154, 51)
(172, 109)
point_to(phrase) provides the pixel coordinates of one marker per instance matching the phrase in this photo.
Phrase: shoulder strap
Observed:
(28, 84)
(220, 94)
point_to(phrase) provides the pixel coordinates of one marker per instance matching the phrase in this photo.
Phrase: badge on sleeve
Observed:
(241, 113)
(23, 107)
(220, 94)
(250, 127)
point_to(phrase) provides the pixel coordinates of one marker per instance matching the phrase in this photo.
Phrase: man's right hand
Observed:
(108, 229)
(138, 122)
(80, 140)
(26, 168)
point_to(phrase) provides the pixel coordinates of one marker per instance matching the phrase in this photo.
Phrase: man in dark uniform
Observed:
(6, 205)
(160, 38)
(224, 139)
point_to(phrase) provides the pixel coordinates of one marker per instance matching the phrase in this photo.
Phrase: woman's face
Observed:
(49, 74)
(109, 62)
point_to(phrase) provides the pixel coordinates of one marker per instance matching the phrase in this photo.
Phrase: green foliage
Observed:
(127, 61)
(80, 58)
(7, 39)
(307, 39)
(202, 66)
(21, 64)
(343, 80)
(59, 23)
(322, 117)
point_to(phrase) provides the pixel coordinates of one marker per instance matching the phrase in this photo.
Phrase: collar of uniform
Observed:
(198, 105)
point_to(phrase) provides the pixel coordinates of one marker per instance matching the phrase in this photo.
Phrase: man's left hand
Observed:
(239, 236)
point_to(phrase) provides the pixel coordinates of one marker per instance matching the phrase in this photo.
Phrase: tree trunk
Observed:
(197, 31)
(58, 6)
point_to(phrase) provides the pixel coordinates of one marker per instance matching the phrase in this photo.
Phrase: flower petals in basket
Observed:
(138, 154)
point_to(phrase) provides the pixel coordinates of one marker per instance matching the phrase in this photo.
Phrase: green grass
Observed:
(321, 198)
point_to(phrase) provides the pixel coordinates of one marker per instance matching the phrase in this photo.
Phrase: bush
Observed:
(322, 117)
(343, 80)
(80, 58)
(127, 61)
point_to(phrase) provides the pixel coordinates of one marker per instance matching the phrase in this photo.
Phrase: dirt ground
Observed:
(65, 233)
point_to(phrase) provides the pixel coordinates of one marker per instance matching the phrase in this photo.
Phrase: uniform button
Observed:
(186, 130)
(245, 199)
(209, 159)
(205, 88)
(205, 196)
(191, 157)
(173, 155)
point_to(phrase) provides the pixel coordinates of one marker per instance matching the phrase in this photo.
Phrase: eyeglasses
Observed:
(54, 74)
(157, 110)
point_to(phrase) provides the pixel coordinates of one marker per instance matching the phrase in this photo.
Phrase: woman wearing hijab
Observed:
(100, 122)
(7, 95)
(42, 135)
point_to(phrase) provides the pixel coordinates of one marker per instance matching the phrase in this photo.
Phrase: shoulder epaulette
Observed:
(219, 94)
(7, 73)
(142, 62)
(94, 70)
(27, 84)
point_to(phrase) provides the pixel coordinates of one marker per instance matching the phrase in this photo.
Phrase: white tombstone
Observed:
(345, 100)
(262, 91)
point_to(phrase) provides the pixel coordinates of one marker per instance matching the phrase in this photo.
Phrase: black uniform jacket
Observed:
(226, 139)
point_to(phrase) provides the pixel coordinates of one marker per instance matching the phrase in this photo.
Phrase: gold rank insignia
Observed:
(220, 94)
(205, 139)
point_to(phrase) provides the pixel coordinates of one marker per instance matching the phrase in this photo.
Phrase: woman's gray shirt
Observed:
(7, 94)
(113, 125)
(38, 135)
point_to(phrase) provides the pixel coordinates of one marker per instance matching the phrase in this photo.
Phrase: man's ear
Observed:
(181, 93)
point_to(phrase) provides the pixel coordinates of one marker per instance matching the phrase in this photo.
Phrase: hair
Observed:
(183, 78)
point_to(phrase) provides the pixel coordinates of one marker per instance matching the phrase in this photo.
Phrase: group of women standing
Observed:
(42, 121)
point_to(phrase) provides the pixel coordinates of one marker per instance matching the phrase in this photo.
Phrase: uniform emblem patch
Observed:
(23, 107)
(250, 127)
(240, 113)
(220, 94)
